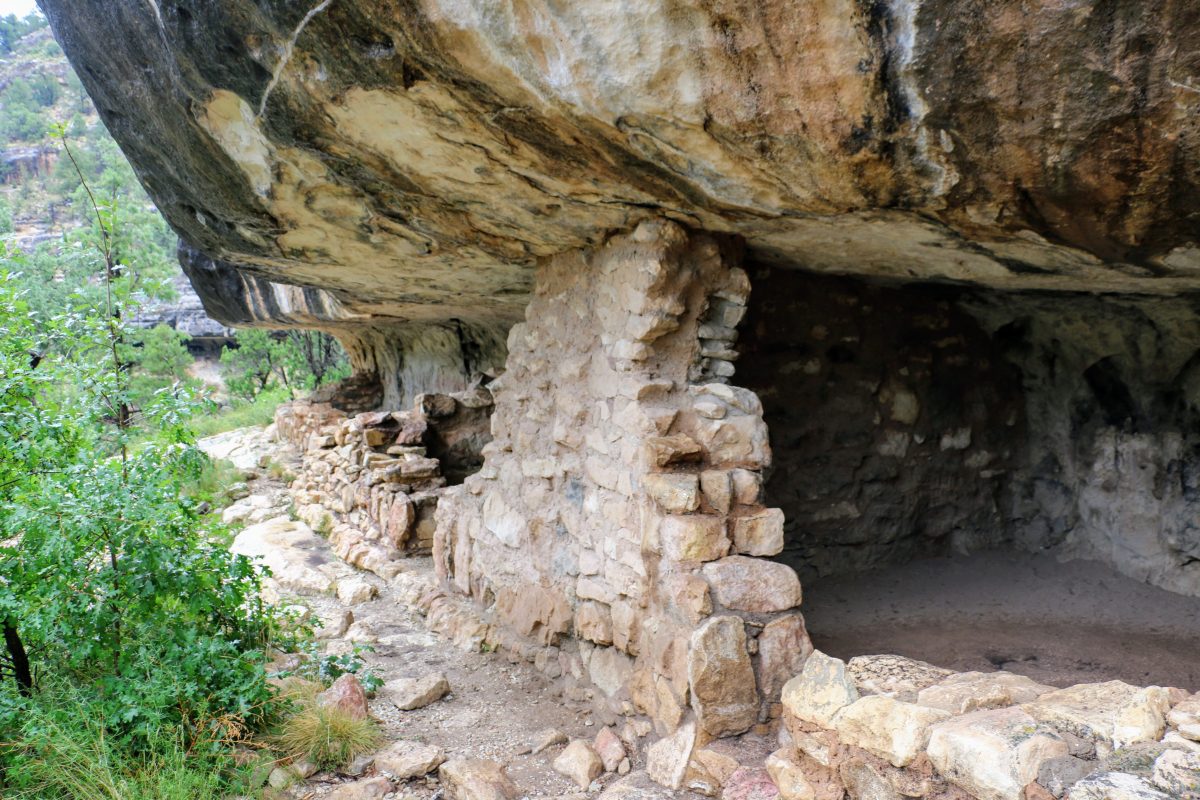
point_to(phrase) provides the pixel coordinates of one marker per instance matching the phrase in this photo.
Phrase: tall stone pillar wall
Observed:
(616, 533)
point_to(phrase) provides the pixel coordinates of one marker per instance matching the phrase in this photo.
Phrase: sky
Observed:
(18, 7)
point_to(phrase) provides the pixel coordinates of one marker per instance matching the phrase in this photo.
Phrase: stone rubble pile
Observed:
(368, 480)
(887, 728)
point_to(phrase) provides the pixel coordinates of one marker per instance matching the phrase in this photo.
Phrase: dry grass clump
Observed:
(326, 736)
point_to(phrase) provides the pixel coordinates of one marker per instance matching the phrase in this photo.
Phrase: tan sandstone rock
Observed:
(579, 762)
(610, 749)
(789, 776)
(476, 779)
(724, 695)
(404, 759)
(756, 585)
(408, 694)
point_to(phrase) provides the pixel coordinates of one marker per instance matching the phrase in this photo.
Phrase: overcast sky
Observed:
(18, 7)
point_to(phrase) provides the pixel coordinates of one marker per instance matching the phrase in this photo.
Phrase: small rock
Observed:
(1177, 773)
(282, 777)
(624, 767)
(353, 591)
(789, 777)
(334, 624)
(545, 738)
(667, 759)
(820, 691)
(367, 789)
(1058, 775)
(750, 783)
(347, 694)
(636, 786)
(579, 762)
(476, 779)
(404, 759)
(608, 746)
(708, 771)
(1116, 786)
(411, 693)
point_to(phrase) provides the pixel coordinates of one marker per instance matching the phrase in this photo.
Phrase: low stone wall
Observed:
(886, 727)
(616, 533)
(368, 480)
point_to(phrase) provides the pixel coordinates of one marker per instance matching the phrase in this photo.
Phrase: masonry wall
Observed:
(895, 420)
(616, 533)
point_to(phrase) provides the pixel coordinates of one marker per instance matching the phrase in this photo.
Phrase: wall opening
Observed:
(984, 479)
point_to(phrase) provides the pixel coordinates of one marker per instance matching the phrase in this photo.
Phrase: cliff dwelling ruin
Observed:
(690, 339)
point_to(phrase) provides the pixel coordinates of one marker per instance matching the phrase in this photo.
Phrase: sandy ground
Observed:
(1059, 623)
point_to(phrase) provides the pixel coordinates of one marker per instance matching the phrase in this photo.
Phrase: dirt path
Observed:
(1059, 623)
(495, 708)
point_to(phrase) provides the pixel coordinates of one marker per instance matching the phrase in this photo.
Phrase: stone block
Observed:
(1114, 714)
(893, 676)
(759, 534)
(783, 647)
(693, 537)
(667, 759)
(1118, 786)
(675, 493)
(405, 759)
(593, 622)
(993, 754)
(579, 762)
(718, 489)
(476, 779)
(724, 695)
(708, 771)
(863, 781)
(888, 728)
(412, 693)
(973, 691)
(820, 691)
(678, 448)
(610, 749)
(1177, 772)
(755, 585)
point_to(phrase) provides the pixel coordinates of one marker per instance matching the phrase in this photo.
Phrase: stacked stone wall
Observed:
(368, 480)
(616, 532)
(886, 727)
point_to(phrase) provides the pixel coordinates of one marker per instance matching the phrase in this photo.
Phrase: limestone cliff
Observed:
(414, 158)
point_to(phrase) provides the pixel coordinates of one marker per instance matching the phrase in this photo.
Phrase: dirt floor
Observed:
(1059, 623)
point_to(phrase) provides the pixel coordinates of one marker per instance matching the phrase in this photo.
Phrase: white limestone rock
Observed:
(964, 692)
(891, 729)
(1114, 714)
(667, 759)
(893, 676)
(820, 690)
(993, 754)
(1117, 786)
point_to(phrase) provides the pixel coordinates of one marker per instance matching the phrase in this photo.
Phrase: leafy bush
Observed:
(112, 580)
(293, 360)
(325, 668)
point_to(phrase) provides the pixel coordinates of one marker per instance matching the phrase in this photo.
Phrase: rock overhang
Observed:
(415, 160)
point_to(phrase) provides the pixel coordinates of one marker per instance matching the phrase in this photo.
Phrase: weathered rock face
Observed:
(415, 158)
